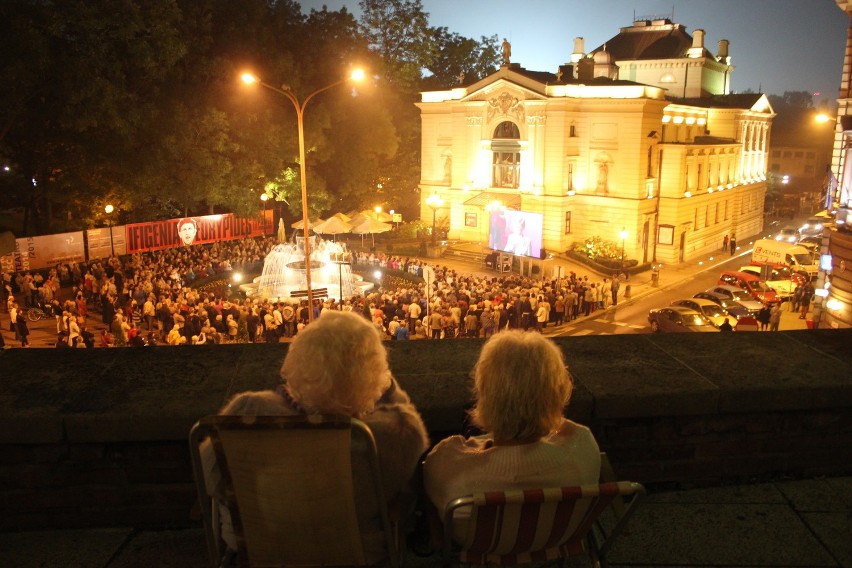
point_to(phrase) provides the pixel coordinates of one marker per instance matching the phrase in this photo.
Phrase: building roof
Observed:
(740, 100)
(658, 39)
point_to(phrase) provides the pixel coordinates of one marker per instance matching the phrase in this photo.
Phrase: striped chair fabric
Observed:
(532, 525)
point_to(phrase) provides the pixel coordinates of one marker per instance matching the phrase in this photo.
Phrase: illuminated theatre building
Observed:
(642, 135)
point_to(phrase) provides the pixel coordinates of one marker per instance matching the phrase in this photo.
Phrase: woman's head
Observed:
(337, 365)
(521, 386)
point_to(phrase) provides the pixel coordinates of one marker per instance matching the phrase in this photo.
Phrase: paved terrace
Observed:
(745, 441)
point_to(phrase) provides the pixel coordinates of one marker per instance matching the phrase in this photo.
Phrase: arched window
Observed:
(506, 155)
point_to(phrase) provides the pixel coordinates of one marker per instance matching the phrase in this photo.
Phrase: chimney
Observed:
(722, 55)
(697, 49)
(579, 49)
(565, 73)
(586, 69)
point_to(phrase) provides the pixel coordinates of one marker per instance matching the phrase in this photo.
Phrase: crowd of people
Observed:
(149, 299)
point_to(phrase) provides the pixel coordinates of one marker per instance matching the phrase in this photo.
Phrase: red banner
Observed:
(144, 237)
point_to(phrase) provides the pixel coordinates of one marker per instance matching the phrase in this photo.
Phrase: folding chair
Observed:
(291, 490)
(536, 525)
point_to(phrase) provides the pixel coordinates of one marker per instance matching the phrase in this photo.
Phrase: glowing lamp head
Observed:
(109, 209)
(357, 74)
(249, 79)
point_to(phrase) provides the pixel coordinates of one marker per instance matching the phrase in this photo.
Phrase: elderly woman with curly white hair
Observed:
(521, 386)
(338, 365)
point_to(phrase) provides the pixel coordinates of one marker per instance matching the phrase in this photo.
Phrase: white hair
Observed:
(337, 365)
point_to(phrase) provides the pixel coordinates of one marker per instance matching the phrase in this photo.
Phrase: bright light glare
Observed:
(357, 75)
(822, 118)
(109, 209)
(248, 78)
(237, 277)
(377, 274)
(263, 197)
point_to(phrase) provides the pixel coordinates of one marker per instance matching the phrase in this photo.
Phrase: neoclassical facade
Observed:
(666, 157)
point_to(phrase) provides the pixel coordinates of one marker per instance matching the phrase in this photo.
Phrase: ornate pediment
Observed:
(505, 104)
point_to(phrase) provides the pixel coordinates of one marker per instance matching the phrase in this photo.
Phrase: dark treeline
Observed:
(139, 105)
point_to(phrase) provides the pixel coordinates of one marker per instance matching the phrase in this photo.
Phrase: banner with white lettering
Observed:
(33, 253)
(144, 237)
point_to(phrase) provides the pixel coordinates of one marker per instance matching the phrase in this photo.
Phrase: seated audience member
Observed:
(338, 365)
(521, 386)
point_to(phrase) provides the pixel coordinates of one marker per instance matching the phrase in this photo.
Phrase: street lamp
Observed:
(435, 202)
(623, 235)
(285, 90)
(109, 209)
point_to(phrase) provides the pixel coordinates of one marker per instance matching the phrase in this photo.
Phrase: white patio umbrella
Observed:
(379, 215)
(371, 226)
(342, 216)
(300, 224)
(332, 226)
(282, 231)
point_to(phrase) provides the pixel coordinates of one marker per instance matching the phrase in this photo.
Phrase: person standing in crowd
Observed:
(726, 326)
(733, 244)
(775, 316)
(807, 296)
(23, 330)
(523, 445)
(763, 317)
(725, 243)
(616, 284)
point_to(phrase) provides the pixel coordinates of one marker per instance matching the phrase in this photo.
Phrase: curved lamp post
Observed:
(109, 209)
(285, 90)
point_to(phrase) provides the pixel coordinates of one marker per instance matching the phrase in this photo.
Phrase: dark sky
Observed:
(775, 45)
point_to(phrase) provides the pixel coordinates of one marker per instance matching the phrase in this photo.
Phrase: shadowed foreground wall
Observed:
(98, 437)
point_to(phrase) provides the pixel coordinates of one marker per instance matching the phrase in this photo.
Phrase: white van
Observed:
(797, 257)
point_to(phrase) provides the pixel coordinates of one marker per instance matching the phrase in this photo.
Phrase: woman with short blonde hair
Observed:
(521, 386)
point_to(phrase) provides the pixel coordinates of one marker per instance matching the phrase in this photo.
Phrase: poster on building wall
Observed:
(157, 235)
(104, 241)
(34, 253)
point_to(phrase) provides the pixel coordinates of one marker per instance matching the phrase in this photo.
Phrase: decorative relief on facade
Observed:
(474, 120)
(505, 104)
(536, 120)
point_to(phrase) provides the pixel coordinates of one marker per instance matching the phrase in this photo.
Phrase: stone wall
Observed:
(98, 438)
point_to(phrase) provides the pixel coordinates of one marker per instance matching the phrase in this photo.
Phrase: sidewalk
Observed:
(772, 524)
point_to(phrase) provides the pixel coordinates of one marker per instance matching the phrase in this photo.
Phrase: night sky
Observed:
(775, 45)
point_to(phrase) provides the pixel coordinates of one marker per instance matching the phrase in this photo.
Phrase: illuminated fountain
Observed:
(284, 271)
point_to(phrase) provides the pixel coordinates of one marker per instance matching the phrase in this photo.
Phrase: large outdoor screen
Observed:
(516, 232)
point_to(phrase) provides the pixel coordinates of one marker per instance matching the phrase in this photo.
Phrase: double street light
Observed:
(299, 106)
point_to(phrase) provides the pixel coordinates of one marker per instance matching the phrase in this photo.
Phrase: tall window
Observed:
(506, 155)
(567, 222)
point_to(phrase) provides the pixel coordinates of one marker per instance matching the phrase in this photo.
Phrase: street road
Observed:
(631, 316)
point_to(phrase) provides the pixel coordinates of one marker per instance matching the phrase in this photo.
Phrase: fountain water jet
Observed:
(284, 271)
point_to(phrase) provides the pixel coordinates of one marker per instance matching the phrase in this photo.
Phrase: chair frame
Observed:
(210, 426)
(590, 535)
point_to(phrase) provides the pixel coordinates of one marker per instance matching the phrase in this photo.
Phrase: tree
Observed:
(455, 56)
(398, 31)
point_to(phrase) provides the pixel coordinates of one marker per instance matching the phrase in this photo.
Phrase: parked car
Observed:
(751, 283)
(711, 310)
(738, 295)
(678, 319)
(788, 235)
(781, 279)
(734, 309)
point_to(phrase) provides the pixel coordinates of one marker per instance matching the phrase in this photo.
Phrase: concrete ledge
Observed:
(98, 437)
